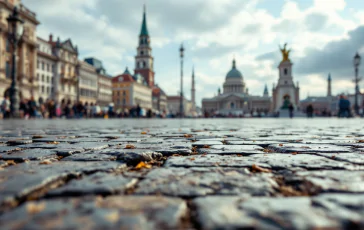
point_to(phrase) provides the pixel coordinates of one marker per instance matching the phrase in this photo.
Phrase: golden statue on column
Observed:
(285, 53)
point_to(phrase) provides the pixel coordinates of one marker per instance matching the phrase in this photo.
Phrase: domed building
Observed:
(235, 99)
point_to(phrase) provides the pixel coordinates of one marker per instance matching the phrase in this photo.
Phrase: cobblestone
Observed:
(182, 174)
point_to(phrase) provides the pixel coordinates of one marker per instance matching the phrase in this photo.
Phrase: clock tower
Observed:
(143, 59)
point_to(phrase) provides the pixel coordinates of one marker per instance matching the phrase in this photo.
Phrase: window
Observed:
(7, 45)
(141, 52)
(7, 69)
(47, 79)
(118, 93)
(53, 68)
(47, 89)
(47, 67)
(42, 65)
(285, 71)
(37, 77)
(38, 64)
(43, 78)
(42, 88)
(124, 102)
(144, 64)
(124, 93)
(285, 82)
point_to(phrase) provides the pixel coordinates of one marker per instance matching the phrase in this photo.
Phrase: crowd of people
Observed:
(29, 109)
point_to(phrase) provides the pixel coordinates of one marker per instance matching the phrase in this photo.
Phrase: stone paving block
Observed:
(232, 149)
(270, 160)
(113, 212)
(19, 141)
(89, 156)
(7, 149)
(194, 182)
(130, 156)
(20, 180)
(332, 180)
(86, 139)
(203, 143)
(259, 143)
(332, 211)
(173, 151)
(96, 184)
(91, 145)
(308, 148)
(354, 157)
(29, 154)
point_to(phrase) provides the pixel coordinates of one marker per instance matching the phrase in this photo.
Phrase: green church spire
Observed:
(144, 30)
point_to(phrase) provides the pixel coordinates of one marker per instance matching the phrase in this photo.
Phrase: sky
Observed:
(324, 36)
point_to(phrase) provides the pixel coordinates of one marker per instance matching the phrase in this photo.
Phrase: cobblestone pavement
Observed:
(182, 174)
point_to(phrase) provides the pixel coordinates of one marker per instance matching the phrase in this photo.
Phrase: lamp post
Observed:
(181, 50)
(356, 66)
(15, 31)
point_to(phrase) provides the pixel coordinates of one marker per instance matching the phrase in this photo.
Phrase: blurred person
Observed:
(291, 108)
(5, 107)
(344, 107)
(309, 111)
(32, 107)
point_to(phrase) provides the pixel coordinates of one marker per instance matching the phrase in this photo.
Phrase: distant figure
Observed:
(138, 110)
(344, 107)
(290, 107)
(149, 113)
(309, 110)
(5, 107)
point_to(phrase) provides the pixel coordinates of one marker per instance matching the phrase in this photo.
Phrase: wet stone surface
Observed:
(182, 174)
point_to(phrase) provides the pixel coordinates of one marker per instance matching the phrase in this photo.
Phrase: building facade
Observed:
(66, 77)
(46, 63)
(286, 92)
(159, 98)
(235, 98)
(87, 83)
(104, 93)
(130, 91)
(173, 103)
(26, 53)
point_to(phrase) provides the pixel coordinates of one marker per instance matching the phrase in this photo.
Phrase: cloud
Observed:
(316, 21)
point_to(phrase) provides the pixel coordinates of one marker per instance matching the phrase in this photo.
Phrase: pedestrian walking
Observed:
(291, 108)
(5, 107)
(344, 107)
(309, 111)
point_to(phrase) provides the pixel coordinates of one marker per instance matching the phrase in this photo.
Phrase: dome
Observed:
(234, 73)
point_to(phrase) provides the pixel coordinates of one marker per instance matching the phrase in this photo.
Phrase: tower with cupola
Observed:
(144, 59)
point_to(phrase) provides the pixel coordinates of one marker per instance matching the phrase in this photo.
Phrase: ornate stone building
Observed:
(286, 92)
(130, 91)
(235, 98)
(45, 70)
(66, 76)
(87, 83)
(104, 87)
(26, 54)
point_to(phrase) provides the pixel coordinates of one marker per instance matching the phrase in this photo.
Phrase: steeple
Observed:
(234, 63)
(265, 93)
(144, 30)
(329, 85)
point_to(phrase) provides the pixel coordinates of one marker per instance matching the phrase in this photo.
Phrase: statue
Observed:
(285, 53)
(286, 102)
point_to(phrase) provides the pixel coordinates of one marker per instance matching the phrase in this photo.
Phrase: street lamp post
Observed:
(356, 66)
(15, 31)
(181, 50)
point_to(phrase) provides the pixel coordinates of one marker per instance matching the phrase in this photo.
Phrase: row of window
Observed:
(88, 82)
(48, 78)
(119, 102)
(45, 66)
(88, 93)
(118, 93)
(64, 89)
(46, 89)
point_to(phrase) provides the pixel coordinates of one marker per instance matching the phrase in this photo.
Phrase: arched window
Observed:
(285, 71)
(141, 52)
(144, 64)
(232, 105)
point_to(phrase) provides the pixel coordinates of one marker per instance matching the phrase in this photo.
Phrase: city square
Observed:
(182, 174)
(198, 114)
